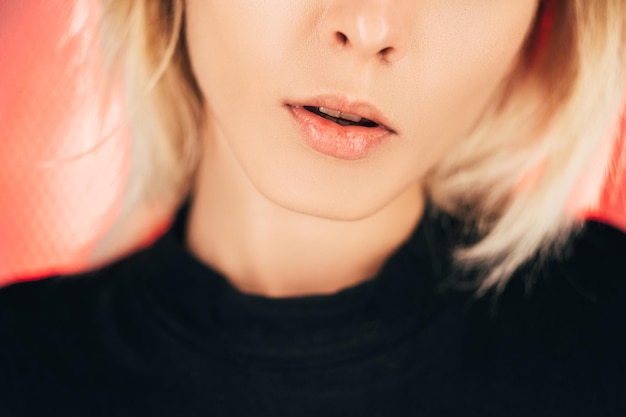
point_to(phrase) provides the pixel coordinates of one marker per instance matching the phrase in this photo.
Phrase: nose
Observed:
(370, 28)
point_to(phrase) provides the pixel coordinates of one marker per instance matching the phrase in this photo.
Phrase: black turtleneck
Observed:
(161, 334)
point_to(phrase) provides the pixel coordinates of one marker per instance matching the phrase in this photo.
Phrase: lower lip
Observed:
(342, 142)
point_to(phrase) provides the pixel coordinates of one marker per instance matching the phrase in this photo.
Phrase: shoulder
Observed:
(583, 280)
(582, 288)
(48, 298)
(560, 324)
(588, 279)
(52, 331)
(50, 306)
(41, 311)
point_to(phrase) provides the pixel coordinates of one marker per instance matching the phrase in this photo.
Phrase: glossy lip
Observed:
(342, 104)
(332, 139)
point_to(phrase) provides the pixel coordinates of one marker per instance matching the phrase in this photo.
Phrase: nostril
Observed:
(385, 52)
(342, 38)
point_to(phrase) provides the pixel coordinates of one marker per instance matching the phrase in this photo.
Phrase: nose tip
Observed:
(370, 31)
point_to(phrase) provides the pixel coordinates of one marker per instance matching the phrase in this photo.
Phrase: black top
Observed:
(161, 334)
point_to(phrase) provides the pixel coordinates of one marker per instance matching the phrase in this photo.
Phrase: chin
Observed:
(330, 202)
(329, 210)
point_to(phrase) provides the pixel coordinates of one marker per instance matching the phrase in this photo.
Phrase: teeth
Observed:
(334, 113)
(339, 115)
(351, 117)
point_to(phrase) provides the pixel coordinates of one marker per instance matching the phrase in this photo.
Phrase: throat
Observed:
(280, 255)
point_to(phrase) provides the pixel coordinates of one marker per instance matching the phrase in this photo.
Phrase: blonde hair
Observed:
(510, 179)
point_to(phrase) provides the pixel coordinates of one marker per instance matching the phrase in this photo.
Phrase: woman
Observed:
(341, 160)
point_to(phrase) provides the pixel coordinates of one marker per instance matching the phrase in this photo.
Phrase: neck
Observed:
(266, 249)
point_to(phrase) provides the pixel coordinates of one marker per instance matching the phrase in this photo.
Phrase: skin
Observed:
(278, 218)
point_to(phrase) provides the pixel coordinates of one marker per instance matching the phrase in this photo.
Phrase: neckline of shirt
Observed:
(379, 312)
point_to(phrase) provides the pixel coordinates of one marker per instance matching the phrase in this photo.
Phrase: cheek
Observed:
(460, 66)
(239, 45)
(215, 42)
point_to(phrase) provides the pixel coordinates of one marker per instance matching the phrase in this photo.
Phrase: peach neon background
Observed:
(55, 204)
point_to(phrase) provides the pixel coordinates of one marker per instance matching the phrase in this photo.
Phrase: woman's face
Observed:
(422, 70)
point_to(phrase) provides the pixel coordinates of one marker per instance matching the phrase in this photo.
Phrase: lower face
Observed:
(422, 70)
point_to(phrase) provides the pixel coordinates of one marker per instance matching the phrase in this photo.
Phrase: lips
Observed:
(339, 128)
(333, 104)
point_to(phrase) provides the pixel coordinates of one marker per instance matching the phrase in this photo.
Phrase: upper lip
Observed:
(358, 107)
